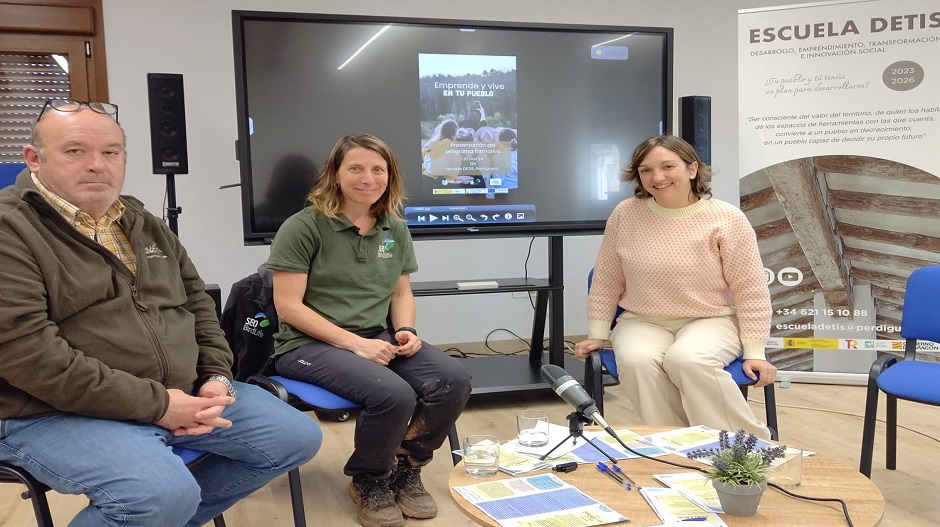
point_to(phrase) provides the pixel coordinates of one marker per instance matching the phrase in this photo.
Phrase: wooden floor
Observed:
(823, 418)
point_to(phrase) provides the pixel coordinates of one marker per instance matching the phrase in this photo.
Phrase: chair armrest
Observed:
(214, 291)
(593, 379)
(593, 371)
(735, 368)
(881, 364)
(277, 389)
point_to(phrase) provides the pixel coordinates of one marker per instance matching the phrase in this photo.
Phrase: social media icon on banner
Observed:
(768, 276)
(790, 276)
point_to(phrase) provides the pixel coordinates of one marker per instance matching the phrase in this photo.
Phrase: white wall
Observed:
(194, 38)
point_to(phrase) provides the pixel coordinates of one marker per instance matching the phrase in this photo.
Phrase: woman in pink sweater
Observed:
(686, 269)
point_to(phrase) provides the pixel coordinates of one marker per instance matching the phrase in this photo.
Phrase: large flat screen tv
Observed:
(501, 129)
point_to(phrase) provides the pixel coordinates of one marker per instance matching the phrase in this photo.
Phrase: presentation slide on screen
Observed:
(468, 124)
(839, 118)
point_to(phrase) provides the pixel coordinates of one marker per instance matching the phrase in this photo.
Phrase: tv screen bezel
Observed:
(554, 228)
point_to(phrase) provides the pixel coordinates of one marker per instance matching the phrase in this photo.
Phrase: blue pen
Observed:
(606, 471)
(695, 519)
(624, 475)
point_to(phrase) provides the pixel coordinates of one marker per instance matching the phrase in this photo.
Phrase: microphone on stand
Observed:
(573, 393)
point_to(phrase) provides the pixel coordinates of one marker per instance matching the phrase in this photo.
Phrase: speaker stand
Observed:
(172, 211)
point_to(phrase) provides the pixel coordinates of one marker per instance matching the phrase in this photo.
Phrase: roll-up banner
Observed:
(839, 127)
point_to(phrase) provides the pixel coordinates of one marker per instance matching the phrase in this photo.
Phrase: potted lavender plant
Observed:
(739, 470)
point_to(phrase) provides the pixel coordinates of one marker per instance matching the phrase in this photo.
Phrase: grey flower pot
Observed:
(742, 500)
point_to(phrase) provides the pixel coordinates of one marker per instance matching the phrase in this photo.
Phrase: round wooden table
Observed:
(823, 477)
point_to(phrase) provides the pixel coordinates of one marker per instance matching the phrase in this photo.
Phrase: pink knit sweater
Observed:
(697, 261)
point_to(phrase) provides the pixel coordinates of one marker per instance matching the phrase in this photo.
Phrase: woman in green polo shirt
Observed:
(342, 291)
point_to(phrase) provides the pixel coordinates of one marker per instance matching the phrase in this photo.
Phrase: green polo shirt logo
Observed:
(385, 248)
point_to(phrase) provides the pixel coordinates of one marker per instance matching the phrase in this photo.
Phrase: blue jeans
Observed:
(131, 475)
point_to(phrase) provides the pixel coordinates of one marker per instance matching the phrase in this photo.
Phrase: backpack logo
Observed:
(254, 325)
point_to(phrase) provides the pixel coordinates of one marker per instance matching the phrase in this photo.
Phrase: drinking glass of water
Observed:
(481, 455)
(532, 426)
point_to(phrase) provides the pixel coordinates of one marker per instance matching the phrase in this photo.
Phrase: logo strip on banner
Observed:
(846, 344)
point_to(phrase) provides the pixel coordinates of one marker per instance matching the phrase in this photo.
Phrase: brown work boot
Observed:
(413, 500)
(375, 503)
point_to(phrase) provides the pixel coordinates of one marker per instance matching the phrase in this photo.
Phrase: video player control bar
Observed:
(483, 214)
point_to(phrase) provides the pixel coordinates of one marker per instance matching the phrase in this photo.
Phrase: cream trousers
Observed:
(671, 370)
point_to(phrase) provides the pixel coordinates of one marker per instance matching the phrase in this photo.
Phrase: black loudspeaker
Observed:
(695, 124)
(167, 123)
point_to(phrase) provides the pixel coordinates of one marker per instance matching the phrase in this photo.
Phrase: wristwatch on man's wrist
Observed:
(409, 329)
(232, 392)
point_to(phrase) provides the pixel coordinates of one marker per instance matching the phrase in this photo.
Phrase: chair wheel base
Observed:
(340, 416)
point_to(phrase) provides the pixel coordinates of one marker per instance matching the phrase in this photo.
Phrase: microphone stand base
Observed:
(576, 422)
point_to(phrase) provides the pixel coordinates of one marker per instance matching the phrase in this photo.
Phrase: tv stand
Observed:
(513, 372)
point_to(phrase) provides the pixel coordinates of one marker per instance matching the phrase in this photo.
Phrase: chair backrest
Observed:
(920, 318)
(9, 171)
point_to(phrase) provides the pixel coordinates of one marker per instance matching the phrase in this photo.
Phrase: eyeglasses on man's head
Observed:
(71, 105)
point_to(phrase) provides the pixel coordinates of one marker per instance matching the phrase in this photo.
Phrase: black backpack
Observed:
(250, 321)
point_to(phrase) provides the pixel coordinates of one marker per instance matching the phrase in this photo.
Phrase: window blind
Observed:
(26, 81)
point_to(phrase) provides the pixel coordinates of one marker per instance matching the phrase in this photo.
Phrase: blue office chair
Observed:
(36, 491)
(906, 378)
(8, 173)
(604, 360)
(305, 396)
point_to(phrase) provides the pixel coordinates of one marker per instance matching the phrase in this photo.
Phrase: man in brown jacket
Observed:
(110, 350)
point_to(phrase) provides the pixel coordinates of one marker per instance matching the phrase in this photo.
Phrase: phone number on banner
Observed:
(846, 344)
